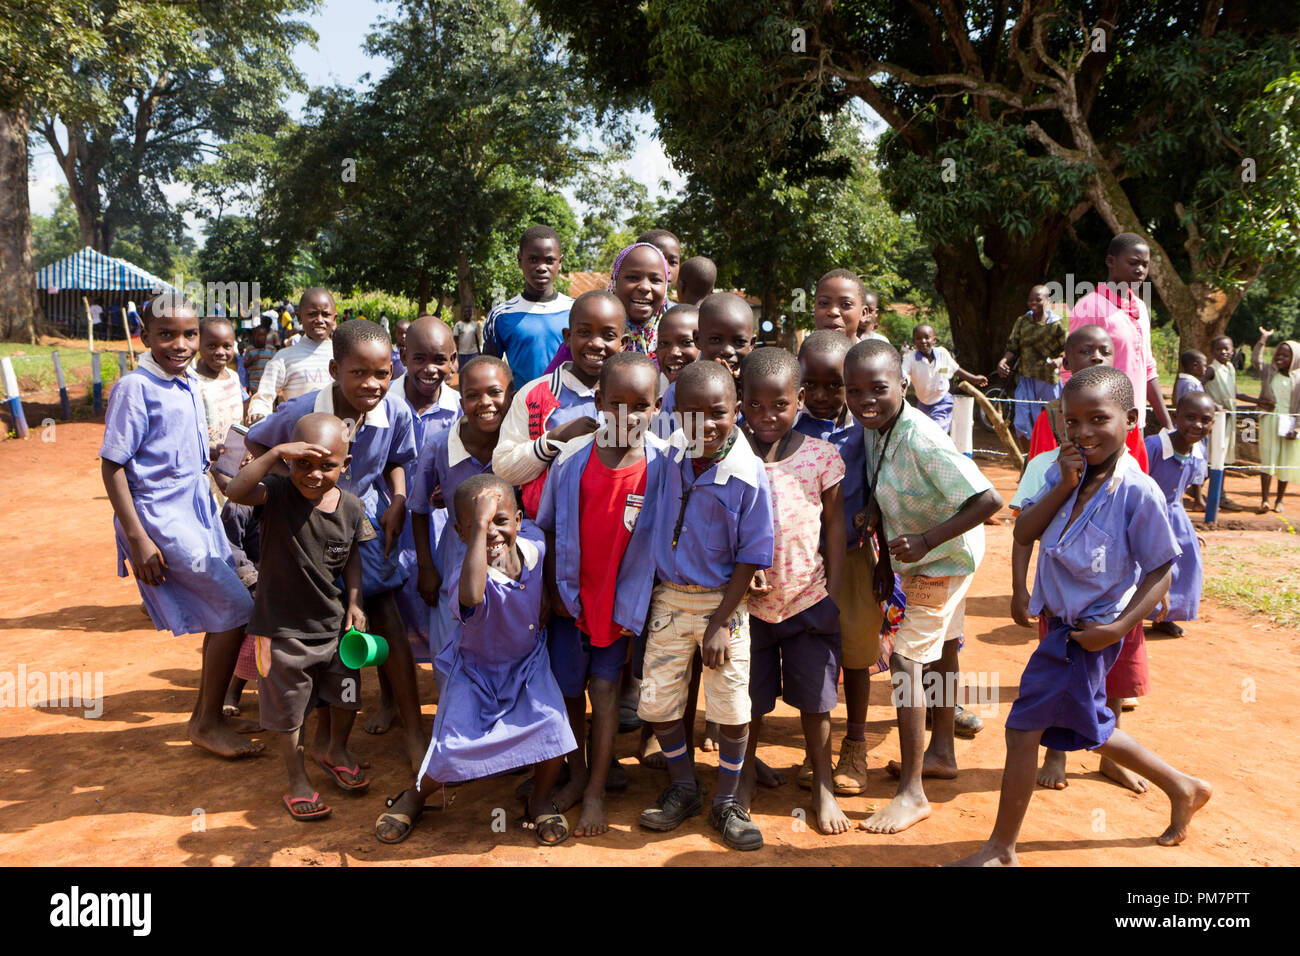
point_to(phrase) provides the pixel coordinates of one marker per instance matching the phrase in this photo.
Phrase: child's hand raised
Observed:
(1072, 463)
(293, 450)
(484, 505)
(574, 429)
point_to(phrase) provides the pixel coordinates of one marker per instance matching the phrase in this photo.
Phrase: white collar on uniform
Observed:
(741, 462)
(527, 553)
(570, 381)
(448, 397)
(377, 416)
(150, 365)
(570, 448)
(1167, 446)
(456, 450)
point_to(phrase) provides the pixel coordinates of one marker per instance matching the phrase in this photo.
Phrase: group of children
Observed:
(667, 506)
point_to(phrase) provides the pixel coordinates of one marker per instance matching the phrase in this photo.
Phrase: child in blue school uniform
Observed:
(712, 531)
(383, 446)
(1107, 549)
(155, 460)
(1193, 369)
(500, 707)
(794, 621)
(463, 450)
(597, 512)
(1177, 460)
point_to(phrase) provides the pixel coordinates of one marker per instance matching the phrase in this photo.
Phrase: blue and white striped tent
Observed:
(96, 276)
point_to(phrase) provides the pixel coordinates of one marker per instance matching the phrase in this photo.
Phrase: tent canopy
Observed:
(89, 270)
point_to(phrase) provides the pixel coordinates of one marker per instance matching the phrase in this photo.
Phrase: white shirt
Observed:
(929, 378)
(294, 371)
(468, 340)
(97, 313)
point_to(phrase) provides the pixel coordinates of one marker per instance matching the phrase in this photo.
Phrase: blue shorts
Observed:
(798, 658)
(940, 412)
(1063, 692)
(574, 661)
(1032, 396)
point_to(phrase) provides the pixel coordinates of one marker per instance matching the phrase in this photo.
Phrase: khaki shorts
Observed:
(860, 618)
(675, 628)
(936, 612)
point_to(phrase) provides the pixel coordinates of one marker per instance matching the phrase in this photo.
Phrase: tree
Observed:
(236, 250)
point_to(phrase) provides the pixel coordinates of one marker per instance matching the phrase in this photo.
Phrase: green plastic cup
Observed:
(357, 649)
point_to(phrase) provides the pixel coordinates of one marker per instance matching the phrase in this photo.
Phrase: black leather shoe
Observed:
(674, 805)
(738, 831)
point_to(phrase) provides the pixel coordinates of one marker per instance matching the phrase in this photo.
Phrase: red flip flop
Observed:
(319, 814)
(359, 786)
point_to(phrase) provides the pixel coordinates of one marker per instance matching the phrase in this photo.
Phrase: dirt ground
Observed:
(126, 788)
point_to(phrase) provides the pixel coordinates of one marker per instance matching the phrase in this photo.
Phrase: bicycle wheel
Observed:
(998, 398)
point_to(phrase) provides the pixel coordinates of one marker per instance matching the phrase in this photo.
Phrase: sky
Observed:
(338, 58)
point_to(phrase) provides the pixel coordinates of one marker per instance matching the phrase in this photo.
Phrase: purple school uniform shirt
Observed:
(721, 519)
(1089, 571)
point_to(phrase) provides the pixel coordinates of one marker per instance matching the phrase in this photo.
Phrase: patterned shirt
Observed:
(1039, 345)
(923, 481)
(255, 363)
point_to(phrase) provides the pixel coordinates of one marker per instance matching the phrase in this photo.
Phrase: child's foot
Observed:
(306, 807)
(931, 766)
(805, 776)
(415, 751)
(348, 757)
(1128, 703)
(989, 855)
(766, 776)
(1167, 627)
(1052, 776)
(674, 805)
(241, 726)
(1123, 776)
(396, 824)
(651, 756)
(593, 821)
(230, 710)
(850, 775)
(1184, 804)
(222, 740)
(830, 818)
(1262, 509)
(568, 795)
(732, 821)
(897, 815)
(381, 720)
(711, 735)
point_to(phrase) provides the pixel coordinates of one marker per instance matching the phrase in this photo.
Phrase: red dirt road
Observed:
(127, 788)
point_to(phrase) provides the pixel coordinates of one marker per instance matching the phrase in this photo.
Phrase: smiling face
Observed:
(1195, 367)
(873, 390)
(216, 346)
(823, 383)
(1130, 266)
(430, 355)
(770, 406)
(1087, 348)
(484, 397)
(172, 337)
(1038, 300)
(1096, 424)
(316, 313)
(259, 338)
(923, 340)
(629, 399)
(1194, 417)
(641, 284)
(595, 332)
(672, 250)
(708, 413)
(675, 346)
(726, 331)
(838, 306)
(364, 374)
(313, 478)
(539, 261)
(1222, 349)
(1282, 358)
(502, 530)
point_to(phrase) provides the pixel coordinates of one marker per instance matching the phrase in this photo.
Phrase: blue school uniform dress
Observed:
(444, 463)
(434, 420)
(156, 429)
(1185, 384)
(385, 436)
(499, 706)
(1088, 572)
(1173, 473)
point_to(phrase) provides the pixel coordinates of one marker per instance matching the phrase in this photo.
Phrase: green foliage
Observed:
(55, 236)
(236, 250)
(372, 304)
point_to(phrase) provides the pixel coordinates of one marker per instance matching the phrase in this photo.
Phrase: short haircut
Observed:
(723, 303)
(1113, 384)
(770, 362)
(472, 485)
(593, 297)
(539, 231)
(484, 359)
(320, 428)
(213, 321)
(167, 303)
(825, 342)
(698, 272)
(313, 292)
(872, 349)
(353, 332)
(682, 308)
(1189, 357)
(1088, 330)
(1220, 338)
(621, 362)
(653, 236)
(1201, 397)
(845, 274)
(925, 325)
(1125, 242)
(700, 374)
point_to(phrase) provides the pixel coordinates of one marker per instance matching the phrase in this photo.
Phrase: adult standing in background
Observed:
(1037, 340)
(468, 335)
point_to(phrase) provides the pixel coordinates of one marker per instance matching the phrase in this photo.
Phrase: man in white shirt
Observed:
(304, 366)
(929, 367)
(468, 335)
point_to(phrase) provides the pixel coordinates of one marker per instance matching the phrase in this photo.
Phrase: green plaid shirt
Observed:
(923, 482)
(1038, 344)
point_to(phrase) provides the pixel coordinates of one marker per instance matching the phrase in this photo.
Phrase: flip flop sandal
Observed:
(358, 786)
(536, 823)
(405, 823)
(318, 814)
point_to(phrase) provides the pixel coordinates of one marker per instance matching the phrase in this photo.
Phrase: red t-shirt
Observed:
(609, 502)
(1043, 439)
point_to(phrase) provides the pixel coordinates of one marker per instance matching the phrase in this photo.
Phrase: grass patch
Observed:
(1245, 579)
(34, 368)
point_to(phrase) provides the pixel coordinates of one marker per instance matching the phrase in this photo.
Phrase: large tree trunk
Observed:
(983, 303)
(464, 284)
(19, 309)
(422, 290)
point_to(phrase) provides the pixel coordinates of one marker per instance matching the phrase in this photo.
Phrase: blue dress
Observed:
(156, 429)
(1173, 473)
(499, 707)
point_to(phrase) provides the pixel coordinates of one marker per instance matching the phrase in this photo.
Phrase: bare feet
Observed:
(1123, 776)
(1052, 776)
(766, 776)
(931, 766)
(241, 726)
(1167, 627)
(989, 855)
(381, 720)
(897, 815)
(593, 821)
(222, 739)
(651, 756)
(830, 818)
(1183, 806)
(568, 795)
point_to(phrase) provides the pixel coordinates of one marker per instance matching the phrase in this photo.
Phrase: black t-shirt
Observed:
(304, 550)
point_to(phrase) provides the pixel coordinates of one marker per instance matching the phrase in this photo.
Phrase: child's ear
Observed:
(564, 335)
(1132, 416)
(347, 460)
(334, 369)
(799, 400)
